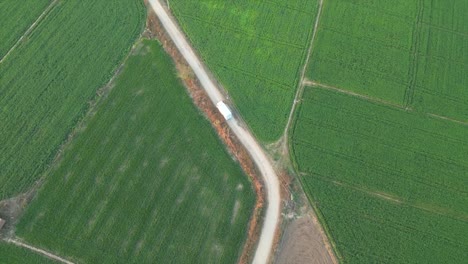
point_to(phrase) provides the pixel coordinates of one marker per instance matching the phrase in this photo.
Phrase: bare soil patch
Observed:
(10, 211)
(302, 242)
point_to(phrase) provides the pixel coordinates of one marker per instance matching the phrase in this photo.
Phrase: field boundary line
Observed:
(330, 245)
(312, 84)
(396, 199)
(300, 89)
(448, 30)
(448, 119)
(31, 28)
(361, 96)
(38, 250)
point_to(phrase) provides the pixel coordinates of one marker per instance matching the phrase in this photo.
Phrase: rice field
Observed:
(380, 142)
(390, 185)
(411, 53)
(11, 254)
(256, 49)
(17, 17)
(441, 80)
(365, 47)
(47, 81)
(145, 180)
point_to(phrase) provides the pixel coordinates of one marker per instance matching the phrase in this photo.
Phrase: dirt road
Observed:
(39, 251)
(267, 235)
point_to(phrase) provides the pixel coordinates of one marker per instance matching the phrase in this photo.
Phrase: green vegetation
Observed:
(47, 81)
(441, 82)
(412, 53)
(145, 180)
(256, 49)
(17, 17)
(11, 254)
(365, 46)
(390, 185)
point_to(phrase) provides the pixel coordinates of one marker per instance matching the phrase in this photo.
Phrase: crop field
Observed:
(256, 49)
(441, 83)
(365, 47)
(47, 81)
(390, 185)
(145, 180)
(412, 53)
(11, 254)
(17, 17)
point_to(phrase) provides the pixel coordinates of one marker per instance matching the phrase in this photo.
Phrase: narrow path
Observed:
(38, 250)
(300, 89)
(30, 29)
(270, 225)
(364, 97)
(448, 119)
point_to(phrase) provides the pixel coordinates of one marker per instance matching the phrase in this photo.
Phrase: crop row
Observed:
(17, 17)
(398, 9)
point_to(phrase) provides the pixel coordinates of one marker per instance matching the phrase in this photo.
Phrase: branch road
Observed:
(267, 235)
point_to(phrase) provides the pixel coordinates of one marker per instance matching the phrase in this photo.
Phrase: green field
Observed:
(390, 185)
(256, 49)
(17, 17)
(365, 46)
(441, 79)
(11, 254)
(412, 53)
(46, 82)
(146, 180)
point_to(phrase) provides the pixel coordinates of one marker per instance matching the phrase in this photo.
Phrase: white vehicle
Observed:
(224, 109)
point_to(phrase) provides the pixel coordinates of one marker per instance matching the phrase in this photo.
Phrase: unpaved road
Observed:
(267, 235)
(38, 250)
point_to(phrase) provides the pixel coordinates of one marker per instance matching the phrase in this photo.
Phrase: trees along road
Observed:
(267, 236)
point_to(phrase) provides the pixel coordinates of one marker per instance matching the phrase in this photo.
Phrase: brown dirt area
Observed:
(302, 242)
(302, 239)
(10, 210)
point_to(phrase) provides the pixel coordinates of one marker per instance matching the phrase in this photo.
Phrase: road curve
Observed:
(267, 235)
